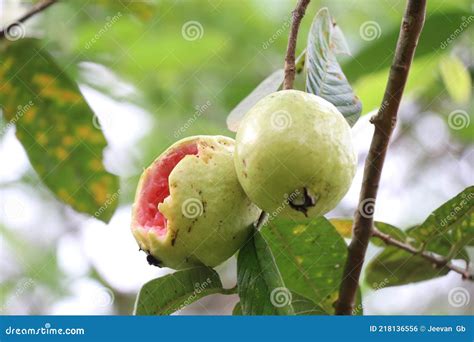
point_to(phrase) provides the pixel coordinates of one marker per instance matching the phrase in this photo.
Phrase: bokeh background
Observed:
(157, 71)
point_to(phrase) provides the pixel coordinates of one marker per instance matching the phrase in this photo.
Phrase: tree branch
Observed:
(384, 122)
(39, 7)
(290, 69)
(437, 260)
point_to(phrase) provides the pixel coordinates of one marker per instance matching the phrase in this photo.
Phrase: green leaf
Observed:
(261, 288)
(56, 127)
(305, 307)
(394, 266)
(268, 86)
(300, 62)
(302, 306)
(325, 76)
(454, 220)
(377, 55)
(343, 226)
(443, 244)
(369, 69)
(371, 87)
(386, 228)
(456, 79)
(460, 124)
(310, 256)
(237, 311)
(448, 248)
(165, 295)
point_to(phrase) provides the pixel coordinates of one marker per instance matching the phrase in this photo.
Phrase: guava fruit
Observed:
(294, 155)
(189, 207)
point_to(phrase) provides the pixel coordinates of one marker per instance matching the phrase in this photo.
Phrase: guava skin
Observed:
(208, 215)
(294, 154)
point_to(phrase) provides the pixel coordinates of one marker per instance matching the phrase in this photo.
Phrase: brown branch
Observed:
(437, 260)
(39, 7)
(384, 122)
(290, 69)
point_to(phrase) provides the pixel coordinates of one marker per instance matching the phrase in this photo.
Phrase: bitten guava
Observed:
(294, 154)
(189, 207)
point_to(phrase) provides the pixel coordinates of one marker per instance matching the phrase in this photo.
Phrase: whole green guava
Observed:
(189, 207)
(294, 154)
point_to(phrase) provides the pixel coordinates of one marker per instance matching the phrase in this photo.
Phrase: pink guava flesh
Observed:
(156, 188)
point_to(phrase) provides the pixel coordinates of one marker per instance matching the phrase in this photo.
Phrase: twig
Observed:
(437, 260)
(39, 7)
(290, 69)
(384, 122)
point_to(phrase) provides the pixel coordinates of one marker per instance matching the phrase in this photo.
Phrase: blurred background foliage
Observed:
(150, 86)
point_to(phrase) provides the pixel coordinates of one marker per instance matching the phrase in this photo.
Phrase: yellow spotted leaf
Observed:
(55, 125)
(343, 227)
(310, 256)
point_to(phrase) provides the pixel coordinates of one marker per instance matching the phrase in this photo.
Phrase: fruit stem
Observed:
(290, 68)
(384, 122)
